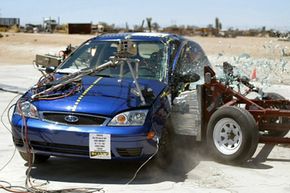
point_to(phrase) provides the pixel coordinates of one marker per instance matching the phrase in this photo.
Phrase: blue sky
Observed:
(236, 13)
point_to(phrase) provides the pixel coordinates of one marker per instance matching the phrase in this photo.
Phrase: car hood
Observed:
(103, 96)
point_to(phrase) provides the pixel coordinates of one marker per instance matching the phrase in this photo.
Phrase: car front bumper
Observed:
(73, 141)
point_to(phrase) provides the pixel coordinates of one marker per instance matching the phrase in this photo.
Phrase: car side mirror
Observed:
(50, 69)
(181, 82)
(189, 78)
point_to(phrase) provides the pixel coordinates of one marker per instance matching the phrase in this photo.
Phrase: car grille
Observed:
(129, 152)
(82, 119)
(60, 148)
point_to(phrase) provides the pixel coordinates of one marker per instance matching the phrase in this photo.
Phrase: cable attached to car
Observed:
(138, 170)
(29, 186)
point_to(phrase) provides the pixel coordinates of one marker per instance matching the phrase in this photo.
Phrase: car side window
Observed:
(192, 60)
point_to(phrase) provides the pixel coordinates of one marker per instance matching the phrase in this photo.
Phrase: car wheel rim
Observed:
(227, 136)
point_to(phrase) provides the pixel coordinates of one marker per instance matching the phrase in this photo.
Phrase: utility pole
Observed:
(149, 20)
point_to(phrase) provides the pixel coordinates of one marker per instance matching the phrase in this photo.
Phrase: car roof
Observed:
(139, 36)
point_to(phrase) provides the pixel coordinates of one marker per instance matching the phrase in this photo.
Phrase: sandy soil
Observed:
(21, 48)
(256, 47)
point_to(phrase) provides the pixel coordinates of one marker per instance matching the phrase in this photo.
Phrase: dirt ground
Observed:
(21, 48)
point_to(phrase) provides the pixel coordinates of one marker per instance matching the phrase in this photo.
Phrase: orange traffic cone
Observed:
(254, 74)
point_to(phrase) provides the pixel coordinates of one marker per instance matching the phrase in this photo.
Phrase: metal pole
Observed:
(137, 84)
(121, 71)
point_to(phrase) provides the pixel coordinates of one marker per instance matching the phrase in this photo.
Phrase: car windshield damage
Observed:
(152, 60)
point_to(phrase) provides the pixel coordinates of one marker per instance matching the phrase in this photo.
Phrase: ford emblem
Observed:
(71, 118)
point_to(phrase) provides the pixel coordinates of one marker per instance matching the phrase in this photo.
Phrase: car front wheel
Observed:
(164, 156)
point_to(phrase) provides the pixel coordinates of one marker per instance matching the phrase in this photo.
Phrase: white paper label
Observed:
(100, 146)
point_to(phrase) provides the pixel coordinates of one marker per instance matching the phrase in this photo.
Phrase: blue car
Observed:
(117, 96)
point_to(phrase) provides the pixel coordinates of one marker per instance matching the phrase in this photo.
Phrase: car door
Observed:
(186, 105)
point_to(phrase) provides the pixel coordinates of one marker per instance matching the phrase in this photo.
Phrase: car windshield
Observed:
(152, 56)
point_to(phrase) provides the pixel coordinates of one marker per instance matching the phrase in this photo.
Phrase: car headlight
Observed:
(129, 118)
(27, 109)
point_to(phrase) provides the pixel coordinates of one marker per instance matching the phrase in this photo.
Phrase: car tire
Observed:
(232, 135)
(276, 96)
(164, 155)
(38, 158)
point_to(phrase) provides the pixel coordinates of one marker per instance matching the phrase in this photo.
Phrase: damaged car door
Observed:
(186, 83)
